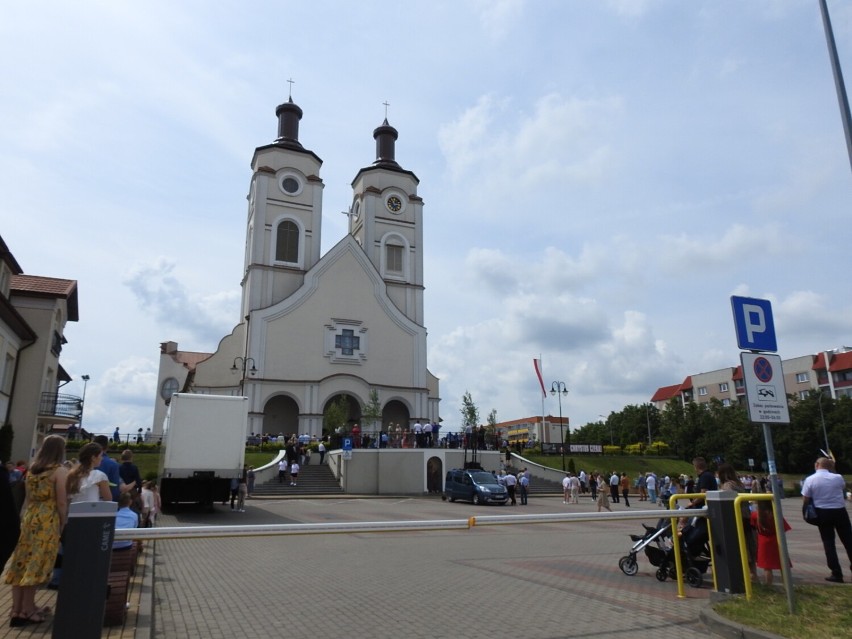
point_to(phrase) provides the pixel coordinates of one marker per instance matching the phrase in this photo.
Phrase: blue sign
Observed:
(754, 324)
(347, 443)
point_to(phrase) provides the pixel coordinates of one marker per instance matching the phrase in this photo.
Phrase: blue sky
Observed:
(599, 178)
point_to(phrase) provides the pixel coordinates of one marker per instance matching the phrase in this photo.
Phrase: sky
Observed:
(599, 178)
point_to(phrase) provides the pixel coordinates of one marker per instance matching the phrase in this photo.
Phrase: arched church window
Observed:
(287, 242)
(393, 258)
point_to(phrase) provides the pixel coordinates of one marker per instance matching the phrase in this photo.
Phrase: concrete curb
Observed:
(728, 629)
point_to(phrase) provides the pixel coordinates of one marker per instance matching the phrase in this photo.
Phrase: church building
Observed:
(314, 328)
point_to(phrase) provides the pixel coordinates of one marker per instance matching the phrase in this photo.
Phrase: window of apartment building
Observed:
(801, 378)
(56, 344)
(726, 402)
(723, 387)
(738, 384)
(843, 376)
(803, 394)
(702, 391)
(8, 374)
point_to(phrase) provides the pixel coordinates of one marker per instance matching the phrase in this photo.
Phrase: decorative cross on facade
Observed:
(347, 342)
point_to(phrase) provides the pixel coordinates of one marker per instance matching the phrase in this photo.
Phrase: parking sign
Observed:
(754, 324)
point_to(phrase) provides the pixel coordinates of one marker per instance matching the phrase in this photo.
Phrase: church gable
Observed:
(341, 317)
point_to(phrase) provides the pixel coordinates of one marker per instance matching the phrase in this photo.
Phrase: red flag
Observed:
(537, 364)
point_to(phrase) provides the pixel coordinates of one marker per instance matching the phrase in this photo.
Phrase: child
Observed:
(294, 473)
(768, 556)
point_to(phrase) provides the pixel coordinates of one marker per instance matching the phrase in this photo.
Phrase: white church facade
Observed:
(316, 328)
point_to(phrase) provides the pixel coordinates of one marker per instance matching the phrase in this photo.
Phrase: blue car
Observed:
(477, 486)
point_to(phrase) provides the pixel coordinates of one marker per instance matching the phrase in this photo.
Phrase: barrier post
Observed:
(87, 548)
(727, 561)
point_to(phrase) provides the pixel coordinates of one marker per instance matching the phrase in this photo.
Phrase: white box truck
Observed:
(204, 442)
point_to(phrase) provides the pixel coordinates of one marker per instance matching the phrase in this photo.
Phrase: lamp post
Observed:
(822, 419)
(85, 379)
(559, 389)
(648, 419)
(241, 364)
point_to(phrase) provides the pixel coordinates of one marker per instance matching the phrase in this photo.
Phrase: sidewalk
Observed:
(539, 581)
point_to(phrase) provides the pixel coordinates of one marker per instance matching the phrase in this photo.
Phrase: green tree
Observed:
(469, 412)
(335, 415)
(372, 411)
(491, 426)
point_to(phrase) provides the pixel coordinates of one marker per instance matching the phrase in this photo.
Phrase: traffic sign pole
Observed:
(767, 400)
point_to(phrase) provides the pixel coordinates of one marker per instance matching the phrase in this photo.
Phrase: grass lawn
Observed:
(821, 611)
(149, 461)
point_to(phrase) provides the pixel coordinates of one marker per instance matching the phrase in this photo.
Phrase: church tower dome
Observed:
(386, 136)
(288, 115)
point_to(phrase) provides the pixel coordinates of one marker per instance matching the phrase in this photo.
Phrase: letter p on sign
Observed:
(754, 325)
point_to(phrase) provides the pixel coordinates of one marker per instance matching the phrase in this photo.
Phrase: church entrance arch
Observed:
(352, 412)
(395, 420)
(281, 416)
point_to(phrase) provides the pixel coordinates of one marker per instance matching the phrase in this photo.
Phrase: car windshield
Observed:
(483, 478)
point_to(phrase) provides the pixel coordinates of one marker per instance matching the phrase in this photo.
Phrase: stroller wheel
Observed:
(693, 577)
(662, 574)
(628, 565)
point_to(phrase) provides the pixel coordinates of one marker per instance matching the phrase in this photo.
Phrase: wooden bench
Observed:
(122, 566)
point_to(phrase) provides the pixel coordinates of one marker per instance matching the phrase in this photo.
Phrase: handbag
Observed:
(810, 514)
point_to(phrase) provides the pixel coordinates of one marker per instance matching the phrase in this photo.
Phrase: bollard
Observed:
(87, 549)
(727, 561)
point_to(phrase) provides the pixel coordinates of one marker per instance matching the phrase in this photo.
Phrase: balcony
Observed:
(61, 409)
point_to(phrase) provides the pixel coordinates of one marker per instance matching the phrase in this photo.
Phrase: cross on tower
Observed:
(387, 104)
(291, 83)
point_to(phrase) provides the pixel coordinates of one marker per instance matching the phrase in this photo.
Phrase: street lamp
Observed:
(559, 389)
(85, 379)
(822, 419)
(648, 419)
(243, 365)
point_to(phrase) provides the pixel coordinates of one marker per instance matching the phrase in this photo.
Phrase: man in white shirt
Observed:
(511, 481)
(614, 482)
(651, 485)
(566, 488)
(418, 434)
(827, 490)
(575, 489)
(427, 435)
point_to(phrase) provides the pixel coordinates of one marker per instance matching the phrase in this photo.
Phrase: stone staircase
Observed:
(313, 480)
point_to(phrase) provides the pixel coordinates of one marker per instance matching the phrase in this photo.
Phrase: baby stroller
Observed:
(658, 546)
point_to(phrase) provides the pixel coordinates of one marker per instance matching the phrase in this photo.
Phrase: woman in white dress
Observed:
(85, 481)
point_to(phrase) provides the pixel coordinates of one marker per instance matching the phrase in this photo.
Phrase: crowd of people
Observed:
(34, 501)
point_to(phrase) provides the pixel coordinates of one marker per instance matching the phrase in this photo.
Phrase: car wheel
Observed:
(476, 499)
(629, 566)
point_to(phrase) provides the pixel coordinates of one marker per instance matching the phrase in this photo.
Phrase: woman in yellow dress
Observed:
(45, 512)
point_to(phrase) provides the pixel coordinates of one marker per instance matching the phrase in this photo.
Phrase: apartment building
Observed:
(802, 375)
(33, 313)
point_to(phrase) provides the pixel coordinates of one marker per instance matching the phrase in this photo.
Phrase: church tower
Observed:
(283, 229)
(386, 219)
